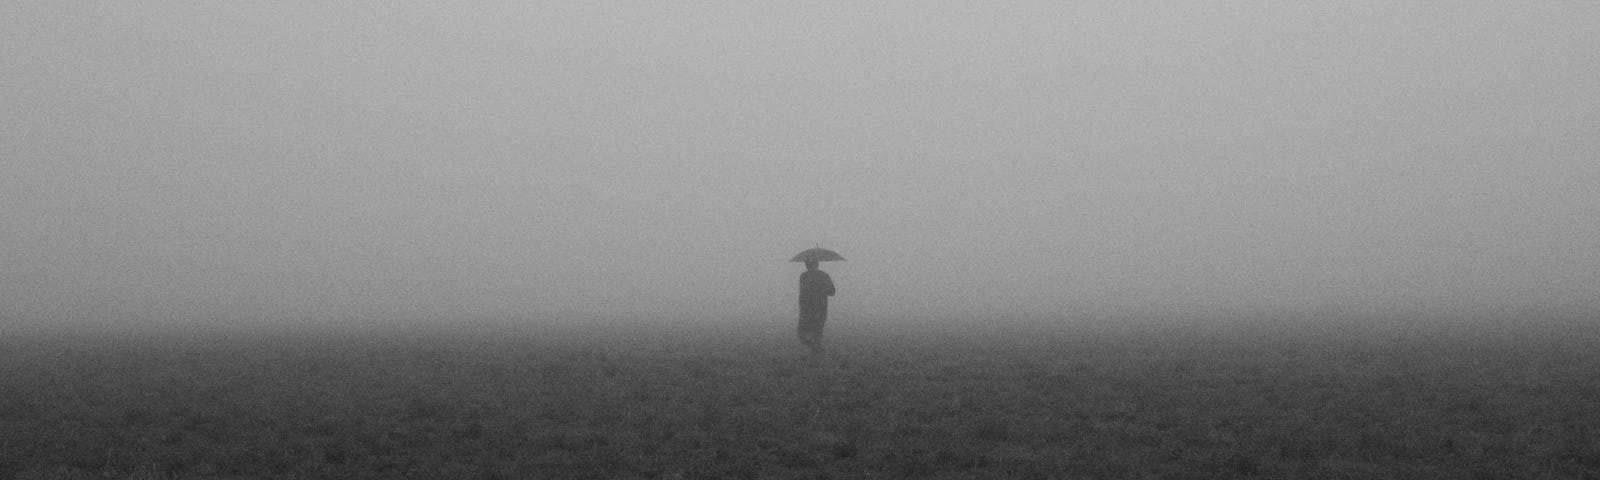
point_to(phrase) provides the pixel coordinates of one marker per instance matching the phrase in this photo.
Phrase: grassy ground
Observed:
(1060, 402)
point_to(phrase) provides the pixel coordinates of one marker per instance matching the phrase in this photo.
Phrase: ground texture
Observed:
(1036, 403)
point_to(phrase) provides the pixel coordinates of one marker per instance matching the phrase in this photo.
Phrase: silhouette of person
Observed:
(815, 288)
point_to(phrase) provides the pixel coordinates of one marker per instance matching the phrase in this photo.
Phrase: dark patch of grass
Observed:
(1090, 404)
(14, 407)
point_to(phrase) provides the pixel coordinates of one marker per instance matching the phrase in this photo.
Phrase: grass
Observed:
(1061, 402)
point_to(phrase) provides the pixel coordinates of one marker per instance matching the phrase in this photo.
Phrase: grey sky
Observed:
(297, 159)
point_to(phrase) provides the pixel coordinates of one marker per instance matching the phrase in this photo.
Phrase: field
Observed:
(1085, 400)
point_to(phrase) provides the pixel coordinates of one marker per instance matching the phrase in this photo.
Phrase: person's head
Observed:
(811, 264)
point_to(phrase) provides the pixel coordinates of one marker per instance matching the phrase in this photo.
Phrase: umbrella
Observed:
(818, 254)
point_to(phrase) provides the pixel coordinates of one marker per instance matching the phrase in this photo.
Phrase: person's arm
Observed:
(829, 283)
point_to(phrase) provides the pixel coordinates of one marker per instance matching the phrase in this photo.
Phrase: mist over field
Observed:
(501, 163)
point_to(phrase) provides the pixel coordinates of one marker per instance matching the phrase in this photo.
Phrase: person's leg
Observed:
(810, 331)
(801, 331)
(816, 334)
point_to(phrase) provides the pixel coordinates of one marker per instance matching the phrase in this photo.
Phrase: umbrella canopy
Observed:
(818, 254)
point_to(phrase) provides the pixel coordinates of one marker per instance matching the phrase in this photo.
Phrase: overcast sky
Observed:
(222, 161)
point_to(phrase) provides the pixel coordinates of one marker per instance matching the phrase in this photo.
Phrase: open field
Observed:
(1081, 401)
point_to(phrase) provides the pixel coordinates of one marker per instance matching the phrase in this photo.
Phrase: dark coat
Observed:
(815, 288)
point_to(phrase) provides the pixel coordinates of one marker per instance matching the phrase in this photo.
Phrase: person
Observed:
(815, 288)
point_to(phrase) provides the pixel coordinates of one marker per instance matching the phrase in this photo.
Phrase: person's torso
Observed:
(815, 283)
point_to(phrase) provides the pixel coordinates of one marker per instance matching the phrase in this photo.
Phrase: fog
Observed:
(295, 161)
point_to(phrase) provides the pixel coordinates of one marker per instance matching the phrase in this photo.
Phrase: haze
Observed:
(294, 161)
